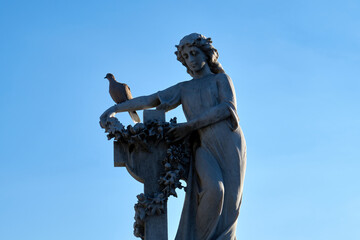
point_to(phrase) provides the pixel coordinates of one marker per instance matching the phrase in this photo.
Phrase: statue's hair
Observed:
(204, 44)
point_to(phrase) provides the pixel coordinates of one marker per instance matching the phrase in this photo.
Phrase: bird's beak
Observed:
(104, 77)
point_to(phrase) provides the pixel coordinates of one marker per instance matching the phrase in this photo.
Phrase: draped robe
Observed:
(216, 176)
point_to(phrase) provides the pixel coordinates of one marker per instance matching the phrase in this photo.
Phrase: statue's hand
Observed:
(106, 115)
(179, 132)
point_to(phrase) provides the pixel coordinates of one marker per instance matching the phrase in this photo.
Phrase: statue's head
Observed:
(203, 44)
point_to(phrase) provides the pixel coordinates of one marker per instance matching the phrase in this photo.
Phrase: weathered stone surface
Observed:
(155, 161)
(145, 165)
(216, 173)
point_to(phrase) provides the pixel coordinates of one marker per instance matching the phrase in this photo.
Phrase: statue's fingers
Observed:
(178, 136)
(177, 139)
(174, 137)
(102, 120)
(172, 132)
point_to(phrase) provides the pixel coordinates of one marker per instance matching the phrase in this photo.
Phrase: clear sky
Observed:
(295, 67)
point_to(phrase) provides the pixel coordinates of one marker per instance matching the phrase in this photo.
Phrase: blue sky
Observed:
(295, 67)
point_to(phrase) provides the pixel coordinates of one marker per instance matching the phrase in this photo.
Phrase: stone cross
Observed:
(146, 167)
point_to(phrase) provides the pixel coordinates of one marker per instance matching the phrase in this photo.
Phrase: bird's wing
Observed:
(127, 92)
(117, 92)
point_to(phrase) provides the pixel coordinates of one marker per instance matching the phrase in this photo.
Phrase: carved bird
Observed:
(120, 92)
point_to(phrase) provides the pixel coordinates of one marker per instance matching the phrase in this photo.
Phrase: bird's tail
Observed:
(134, 116)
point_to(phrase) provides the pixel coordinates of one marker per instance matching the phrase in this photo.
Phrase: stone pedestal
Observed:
(145, 165)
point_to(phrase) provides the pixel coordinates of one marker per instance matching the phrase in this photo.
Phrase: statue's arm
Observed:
(138, 103)
(222, 110)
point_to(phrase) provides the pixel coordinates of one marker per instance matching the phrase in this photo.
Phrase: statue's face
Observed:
(195, 59)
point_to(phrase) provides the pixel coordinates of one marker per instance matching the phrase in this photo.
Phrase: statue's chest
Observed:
(199, 95)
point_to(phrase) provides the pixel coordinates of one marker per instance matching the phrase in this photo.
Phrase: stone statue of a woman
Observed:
(216, 178)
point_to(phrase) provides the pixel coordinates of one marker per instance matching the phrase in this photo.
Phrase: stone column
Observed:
(146, 167)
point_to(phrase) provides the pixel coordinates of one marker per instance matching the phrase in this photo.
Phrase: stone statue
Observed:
(216, 174)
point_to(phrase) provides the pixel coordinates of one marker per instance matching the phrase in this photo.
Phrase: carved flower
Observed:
(158, 198)
(139, 127)
(175, 164)
(113, 126)
(167, 166)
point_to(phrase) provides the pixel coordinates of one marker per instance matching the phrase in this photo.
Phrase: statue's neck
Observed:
(203, 72)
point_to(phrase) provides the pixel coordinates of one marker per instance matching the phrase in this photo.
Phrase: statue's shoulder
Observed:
(173, 90)
(222, 77)
(184, 83)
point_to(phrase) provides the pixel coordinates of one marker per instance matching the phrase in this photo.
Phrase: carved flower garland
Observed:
(176, 164)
